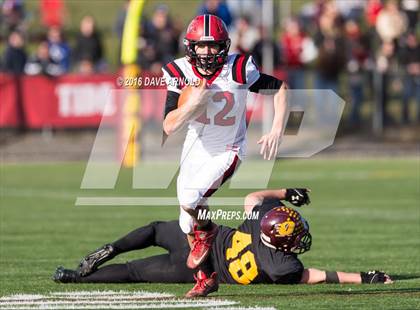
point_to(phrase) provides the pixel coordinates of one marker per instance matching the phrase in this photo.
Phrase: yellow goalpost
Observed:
(130, 120)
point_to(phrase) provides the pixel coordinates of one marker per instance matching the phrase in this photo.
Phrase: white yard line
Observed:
(132, 305)
(107, 300)
(117, 307)
(21, 297)
(142, 294)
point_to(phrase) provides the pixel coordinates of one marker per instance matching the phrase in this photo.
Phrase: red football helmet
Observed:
(284, 229)
(211, 29)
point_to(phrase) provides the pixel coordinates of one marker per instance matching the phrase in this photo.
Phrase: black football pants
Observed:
(165, 268)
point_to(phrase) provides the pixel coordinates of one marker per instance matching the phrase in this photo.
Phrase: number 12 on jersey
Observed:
(220, 118)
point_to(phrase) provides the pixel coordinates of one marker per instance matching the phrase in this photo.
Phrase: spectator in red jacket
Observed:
(52, 13)
(357, 49)
(292, 42)
(372, 9)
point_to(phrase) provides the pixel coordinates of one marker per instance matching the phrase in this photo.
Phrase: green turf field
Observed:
(364, 214)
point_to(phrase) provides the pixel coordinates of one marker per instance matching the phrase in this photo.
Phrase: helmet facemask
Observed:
(303, 240)
(209, 61)
(303, 243)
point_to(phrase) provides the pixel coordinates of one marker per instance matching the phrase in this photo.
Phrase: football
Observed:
(187, 91)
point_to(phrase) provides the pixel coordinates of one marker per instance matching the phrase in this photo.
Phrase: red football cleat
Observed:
(204, 285)
(201, 246)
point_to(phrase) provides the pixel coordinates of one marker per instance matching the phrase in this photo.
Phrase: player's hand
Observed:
(269, 145)
(298, 196)
(375, 276)
(199, 95)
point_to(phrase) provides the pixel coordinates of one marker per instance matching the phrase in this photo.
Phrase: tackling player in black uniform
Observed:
(262, 250)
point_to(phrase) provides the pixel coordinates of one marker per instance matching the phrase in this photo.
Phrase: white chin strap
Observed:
(266, 239)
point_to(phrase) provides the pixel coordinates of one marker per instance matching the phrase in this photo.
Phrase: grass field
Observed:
(364, 215)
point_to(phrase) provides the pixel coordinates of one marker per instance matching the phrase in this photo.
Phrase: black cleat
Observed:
(375, 276)
(92, 261)
(62, 275)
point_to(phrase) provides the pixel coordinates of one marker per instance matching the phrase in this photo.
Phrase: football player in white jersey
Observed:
(215, 114)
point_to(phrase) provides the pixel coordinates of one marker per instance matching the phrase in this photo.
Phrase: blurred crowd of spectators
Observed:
(373, 42)
(359, 47)
(53, 54)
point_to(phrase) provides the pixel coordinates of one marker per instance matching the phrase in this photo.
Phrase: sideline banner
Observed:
(77, 101)
(68, 101)
(9, 101)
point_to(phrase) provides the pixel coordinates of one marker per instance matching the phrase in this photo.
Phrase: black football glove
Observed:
(298, 196)
(375, 276)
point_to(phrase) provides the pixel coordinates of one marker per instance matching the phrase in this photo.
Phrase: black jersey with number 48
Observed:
(239, 256)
